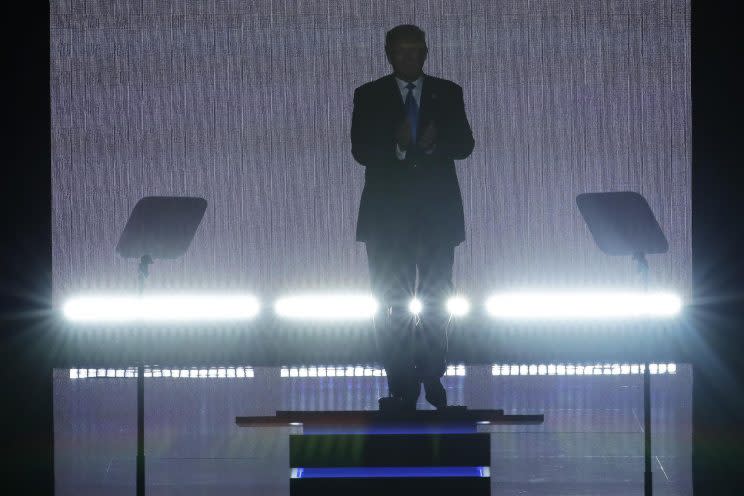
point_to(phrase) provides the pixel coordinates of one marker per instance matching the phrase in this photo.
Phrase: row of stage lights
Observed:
(358, 371)
(556, 305)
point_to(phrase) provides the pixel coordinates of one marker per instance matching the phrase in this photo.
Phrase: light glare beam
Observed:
(582, 305)
(458, 306)
(415, 306)
(160, 308)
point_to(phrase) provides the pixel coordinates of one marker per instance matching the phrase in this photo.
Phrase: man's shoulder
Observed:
(443, 84)
(373, 85)
(383, 82)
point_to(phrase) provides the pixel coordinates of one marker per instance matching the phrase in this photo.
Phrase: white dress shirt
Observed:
(401, 154)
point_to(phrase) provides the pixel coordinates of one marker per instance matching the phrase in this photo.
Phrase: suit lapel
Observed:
(393, 93)
(427, 102)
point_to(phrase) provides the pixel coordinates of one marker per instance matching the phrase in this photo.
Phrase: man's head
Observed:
(405, 47)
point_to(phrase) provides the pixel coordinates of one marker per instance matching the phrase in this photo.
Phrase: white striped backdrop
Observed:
(248, 104)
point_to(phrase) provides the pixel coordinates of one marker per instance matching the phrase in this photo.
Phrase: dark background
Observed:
(28, 342)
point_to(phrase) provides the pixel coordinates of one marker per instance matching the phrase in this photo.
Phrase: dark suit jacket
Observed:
(421, 190)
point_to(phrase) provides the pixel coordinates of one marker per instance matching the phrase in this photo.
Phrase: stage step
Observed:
(390, 450)
(383, 453)
(391, 486)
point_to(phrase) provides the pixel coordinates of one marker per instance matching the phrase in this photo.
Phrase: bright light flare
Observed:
(159, 308)
(415, 306)
(458, 306)
(328, 306)
(582, 305)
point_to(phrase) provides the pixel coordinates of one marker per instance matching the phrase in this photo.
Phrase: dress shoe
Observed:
(435, 393)
(394, 404)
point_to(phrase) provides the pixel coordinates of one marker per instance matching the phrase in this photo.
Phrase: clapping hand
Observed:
(428, 137)
(403, 134)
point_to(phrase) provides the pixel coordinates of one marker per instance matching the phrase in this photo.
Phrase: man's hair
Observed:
(404, 32)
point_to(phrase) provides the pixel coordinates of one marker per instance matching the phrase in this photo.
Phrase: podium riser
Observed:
(390, 450)
(359, 486)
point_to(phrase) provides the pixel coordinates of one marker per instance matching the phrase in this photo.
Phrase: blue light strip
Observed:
(408, 428)
(391, 472)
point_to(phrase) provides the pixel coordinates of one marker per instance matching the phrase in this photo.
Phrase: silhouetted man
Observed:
(407, 129)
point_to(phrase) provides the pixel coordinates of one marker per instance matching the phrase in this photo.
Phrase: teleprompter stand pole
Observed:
(143, 272)
(648, 489)
(159, 227)
(622, 223)
(140, 430)
(648, 477)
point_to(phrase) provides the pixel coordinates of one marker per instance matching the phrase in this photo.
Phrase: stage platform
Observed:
(365, 452)
(591, 440)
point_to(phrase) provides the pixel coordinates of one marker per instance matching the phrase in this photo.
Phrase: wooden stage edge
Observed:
(456, 414)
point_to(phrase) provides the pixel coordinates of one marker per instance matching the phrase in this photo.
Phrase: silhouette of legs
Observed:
(412, 350)
(392, 269)
(434, 288)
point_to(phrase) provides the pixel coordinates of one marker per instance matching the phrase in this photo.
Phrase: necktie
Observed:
(411, 108)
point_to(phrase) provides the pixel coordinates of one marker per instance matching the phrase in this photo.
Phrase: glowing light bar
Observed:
(458, 306)
(331, 371)
(327, 306)
(155, 372)
(415, 306)
(160, 308)
(351, 371)
(582, 305)
(455, 370)
(379, 472)
(571, 369)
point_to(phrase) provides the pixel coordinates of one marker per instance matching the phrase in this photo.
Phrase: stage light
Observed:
(415, 306)
(326, 306)
(315, 371)
(583, 305)
(458, 306)
(157, 372)
(160, 308)
(569, 369)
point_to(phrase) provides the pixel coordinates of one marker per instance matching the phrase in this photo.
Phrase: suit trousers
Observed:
(412, 348)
